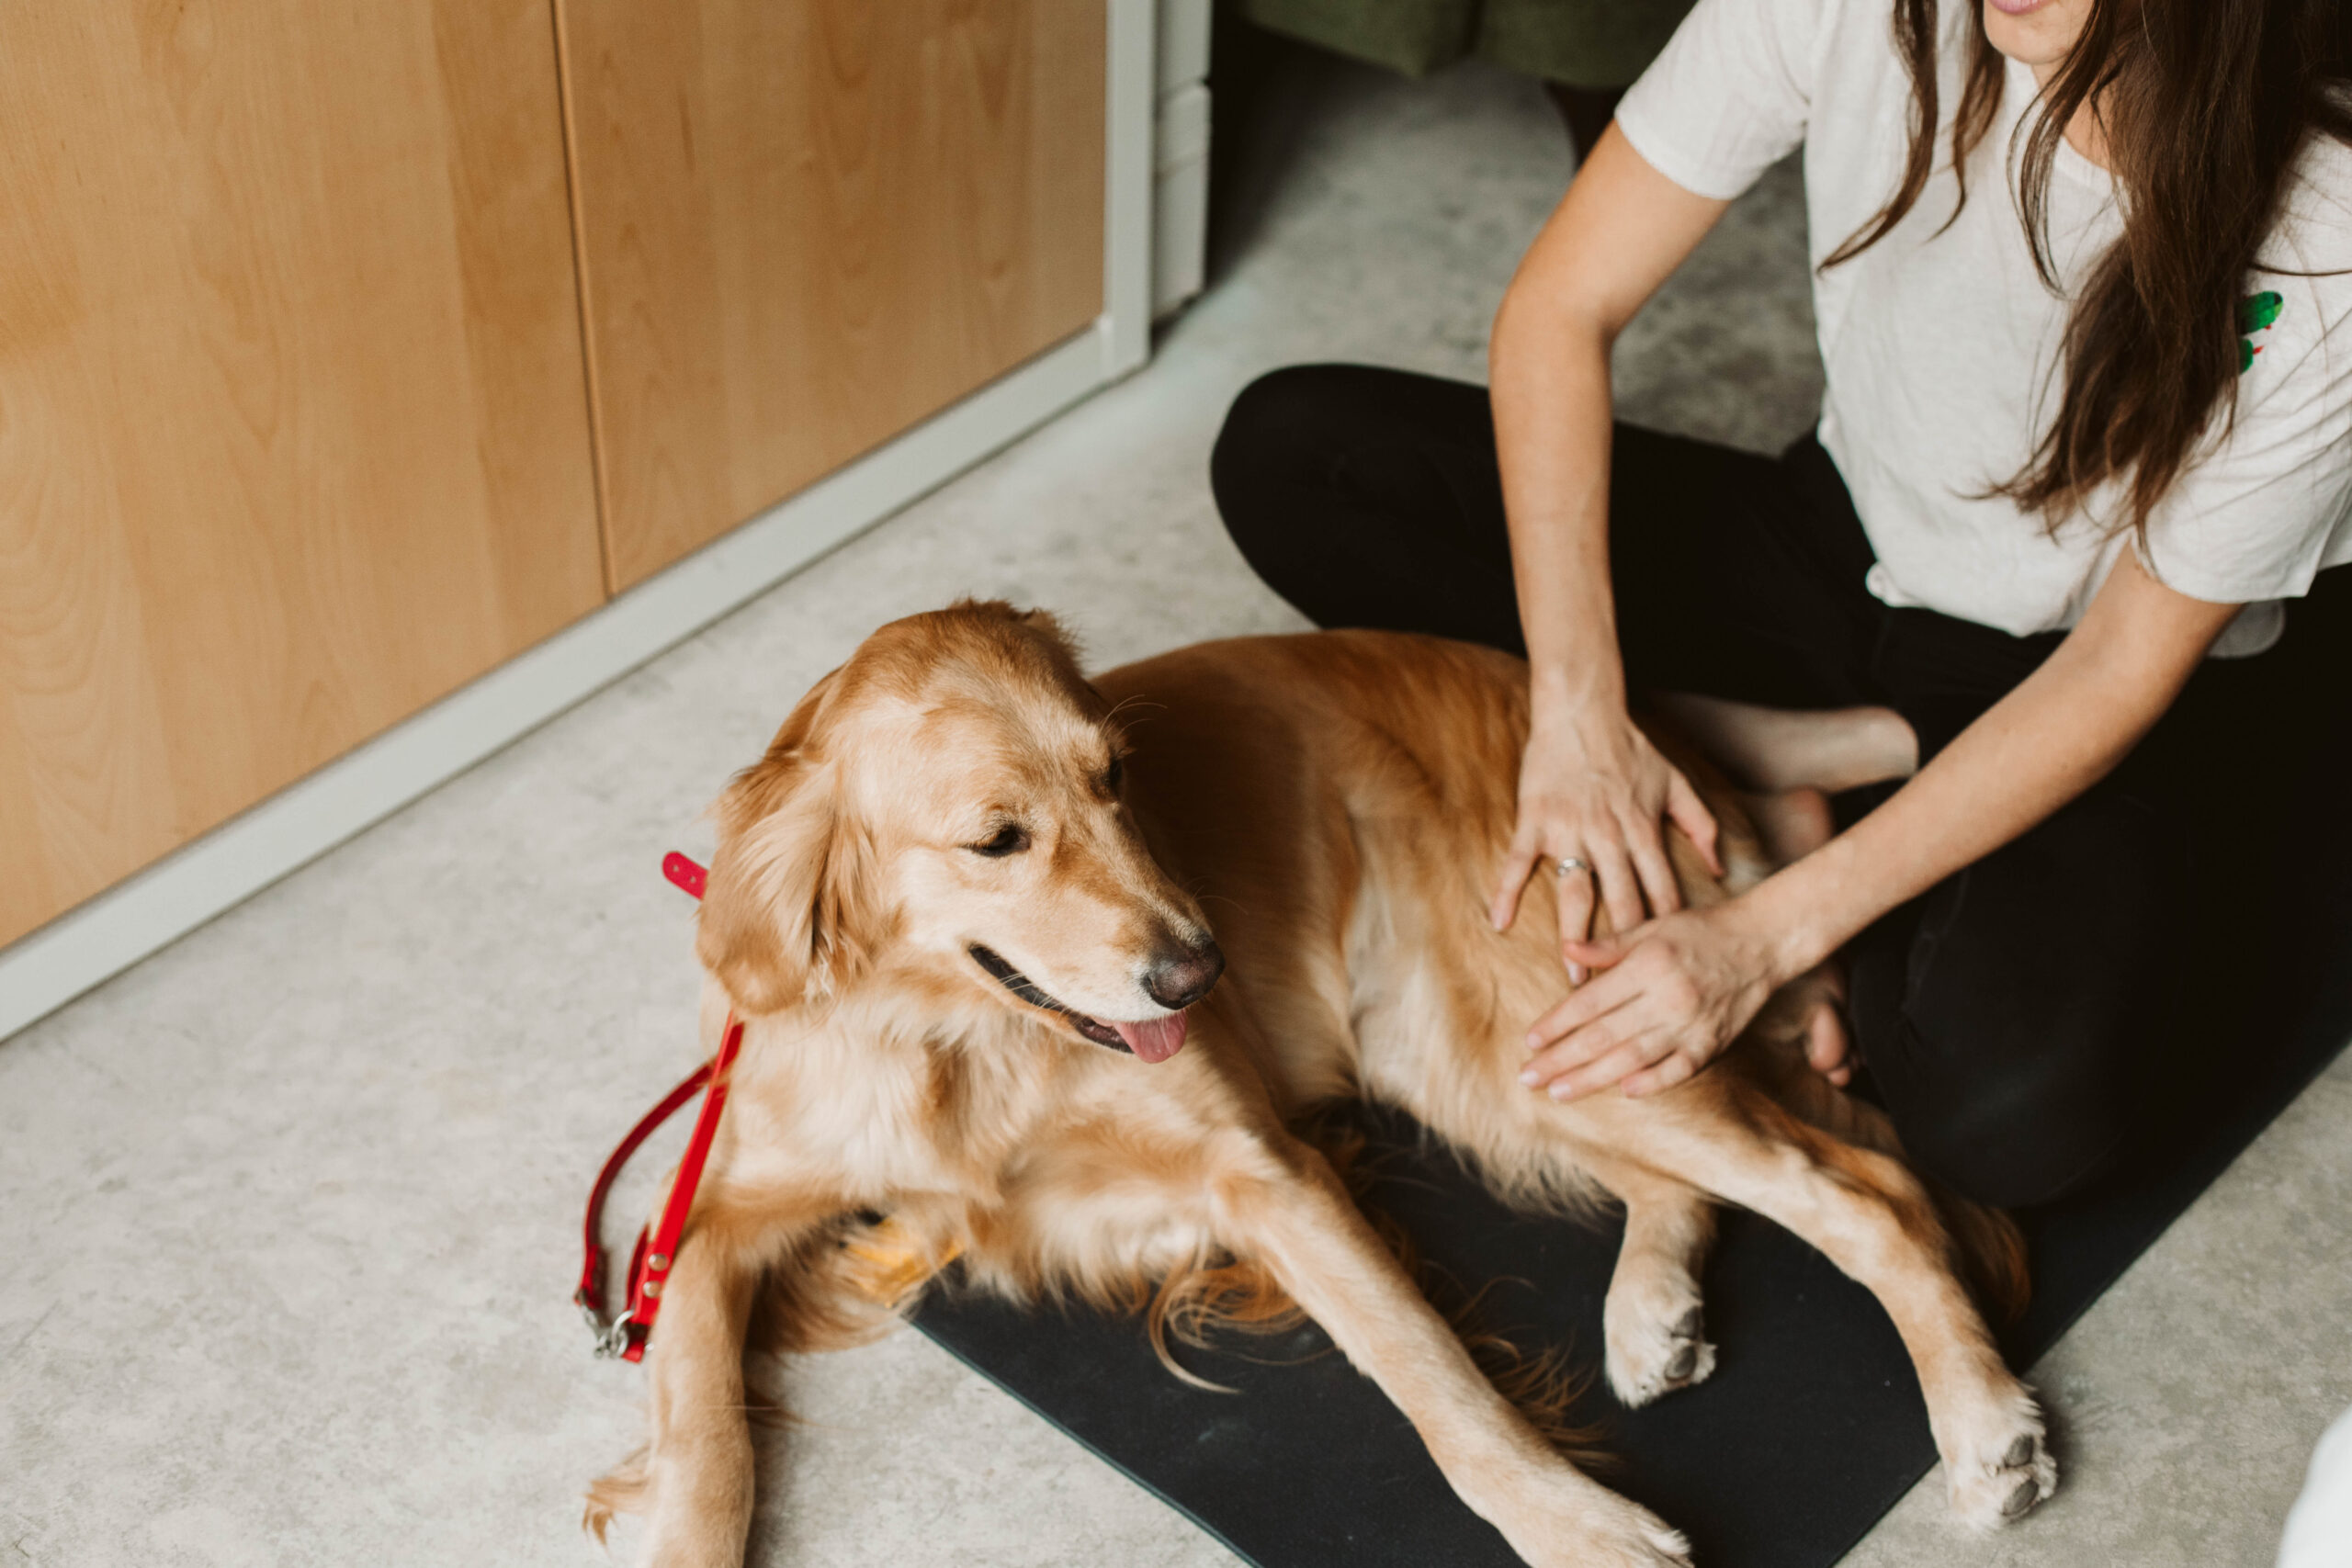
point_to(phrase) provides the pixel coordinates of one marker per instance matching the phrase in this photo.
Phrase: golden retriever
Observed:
(960, 905)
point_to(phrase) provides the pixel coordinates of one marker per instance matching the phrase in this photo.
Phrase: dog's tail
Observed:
(1987, 1245)
(1992, 1252)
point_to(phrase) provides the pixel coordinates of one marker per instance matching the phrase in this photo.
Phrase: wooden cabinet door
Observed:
(807, 224)
(293, 431)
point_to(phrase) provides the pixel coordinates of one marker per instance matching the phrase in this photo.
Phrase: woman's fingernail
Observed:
(1562, 1090)
(1531, 1078)
(1576, 973)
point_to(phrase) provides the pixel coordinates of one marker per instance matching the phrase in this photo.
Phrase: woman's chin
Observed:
(2036, 33)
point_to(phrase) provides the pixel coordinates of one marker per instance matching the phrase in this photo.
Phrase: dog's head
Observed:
(952, 798)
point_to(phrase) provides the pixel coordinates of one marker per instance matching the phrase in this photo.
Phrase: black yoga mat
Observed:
(1811, 1426)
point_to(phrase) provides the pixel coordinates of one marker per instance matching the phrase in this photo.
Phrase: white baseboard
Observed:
(51, 965)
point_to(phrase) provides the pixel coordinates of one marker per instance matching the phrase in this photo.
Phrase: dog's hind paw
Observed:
(2002, 1481)
(1650, 1354)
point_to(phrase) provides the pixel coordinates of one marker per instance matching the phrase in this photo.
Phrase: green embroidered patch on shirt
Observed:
(2256, 313)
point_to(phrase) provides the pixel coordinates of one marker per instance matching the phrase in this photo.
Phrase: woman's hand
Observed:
(1663, 1000)
(1593, 788)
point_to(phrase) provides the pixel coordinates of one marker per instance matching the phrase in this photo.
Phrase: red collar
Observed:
(657, 1248)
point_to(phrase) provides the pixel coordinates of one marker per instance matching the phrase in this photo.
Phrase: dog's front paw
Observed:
(1654, 1349)
(1581, 1524)
(2005, 1475)
(1628, 1535)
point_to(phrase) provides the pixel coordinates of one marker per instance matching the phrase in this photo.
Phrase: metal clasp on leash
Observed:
(613, 1338)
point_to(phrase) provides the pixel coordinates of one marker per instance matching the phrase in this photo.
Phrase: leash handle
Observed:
(656, 1251)
(649, 1269)
(589, 1296)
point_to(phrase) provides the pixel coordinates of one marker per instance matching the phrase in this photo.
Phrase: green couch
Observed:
(1584, 43)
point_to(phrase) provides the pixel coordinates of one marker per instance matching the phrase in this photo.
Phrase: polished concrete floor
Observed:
(287, 1214)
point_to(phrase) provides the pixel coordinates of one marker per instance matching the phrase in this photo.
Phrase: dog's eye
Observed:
(1006, 841)
(1114, 776)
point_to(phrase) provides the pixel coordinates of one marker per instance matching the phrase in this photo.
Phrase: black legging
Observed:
(2011, 1017)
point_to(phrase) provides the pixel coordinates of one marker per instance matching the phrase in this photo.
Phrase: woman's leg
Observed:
(2028, 1020)
(2011, 1017)
(1801, 750)
(1370, 498)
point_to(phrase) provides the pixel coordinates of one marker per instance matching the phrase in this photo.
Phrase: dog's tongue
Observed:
(1154, 1040)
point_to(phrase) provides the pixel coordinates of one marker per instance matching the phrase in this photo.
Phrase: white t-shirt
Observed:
(1943, 350)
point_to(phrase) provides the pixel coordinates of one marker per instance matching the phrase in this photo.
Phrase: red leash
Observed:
(657, 1248)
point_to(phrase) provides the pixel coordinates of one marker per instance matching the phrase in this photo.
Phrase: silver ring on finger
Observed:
(1567, 864)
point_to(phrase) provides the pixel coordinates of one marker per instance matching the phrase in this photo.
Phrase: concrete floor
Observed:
(287, 1211)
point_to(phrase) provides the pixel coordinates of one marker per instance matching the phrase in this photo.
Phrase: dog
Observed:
(963, 907)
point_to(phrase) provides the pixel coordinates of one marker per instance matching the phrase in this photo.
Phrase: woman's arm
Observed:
(1676, 991)
(1591, 785)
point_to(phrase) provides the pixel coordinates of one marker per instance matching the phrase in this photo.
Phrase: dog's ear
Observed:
(1060, 646)
(787, 912)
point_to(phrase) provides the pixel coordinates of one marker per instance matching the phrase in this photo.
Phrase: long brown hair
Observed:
(2206, 106)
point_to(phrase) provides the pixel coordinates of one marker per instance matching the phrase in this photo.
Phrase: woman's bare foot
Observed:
(1784, 749)
(1792, 822)
(1827, 1048)
(1795, 760)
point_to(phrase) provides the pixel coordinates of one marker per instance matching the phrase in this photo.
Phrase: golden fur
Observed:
(1332, 805)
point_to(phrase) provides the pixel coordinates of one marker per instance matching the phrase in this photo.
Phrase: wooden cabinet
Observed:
(349, 348)
(807, 224)
(292, 427)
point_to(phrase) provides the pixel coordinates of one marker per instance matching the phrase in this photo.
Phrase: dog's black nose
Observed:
(1185, 975)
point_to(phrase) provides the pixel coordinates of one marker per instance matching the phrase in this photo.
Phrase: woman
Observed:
(2088, 426)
